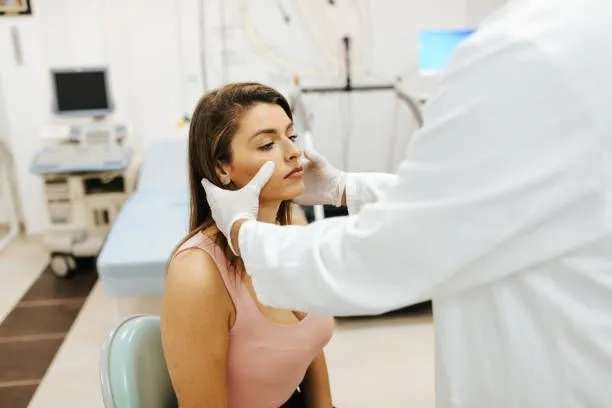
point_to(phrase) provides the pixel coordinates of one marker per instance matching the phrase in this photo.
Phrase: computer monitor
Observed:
(436, 48)
(81, 92)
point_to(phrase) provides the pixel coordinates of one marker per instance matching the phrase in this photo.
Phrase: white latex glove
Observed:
(323, 183)
(228, 206)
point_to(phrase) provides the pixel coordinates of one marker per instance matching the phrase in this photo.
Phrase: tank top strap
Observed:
(230, 279)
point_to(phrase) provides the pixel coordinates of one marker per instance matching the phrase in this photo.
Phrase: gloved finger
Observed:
(263, 175)
(315, 157)
(307, 143)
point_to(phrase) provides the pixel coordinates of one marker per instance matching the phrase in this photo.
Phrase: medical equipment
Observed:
(87, 171)
(85, 189)
(81, 92)
(87, 177)
(86, 180)
(7, 194)
(86, 134)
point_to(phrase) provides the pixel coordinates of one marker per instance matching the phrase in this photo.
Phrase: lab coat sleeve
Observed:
(504, 159)
(365, 188)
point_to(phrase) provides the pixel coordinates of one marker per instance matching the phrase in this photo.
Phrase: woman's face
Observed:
(265, 133)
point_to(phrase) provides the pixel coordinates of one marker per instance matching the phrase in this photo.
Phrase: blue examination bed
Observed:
(153, 220)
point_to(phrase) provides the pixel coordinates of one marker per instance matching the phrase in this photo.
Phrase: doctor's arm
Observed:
(496, 164)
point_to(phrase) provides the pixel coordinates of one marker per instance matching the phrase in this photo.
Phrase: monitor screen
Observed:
(81, 91)
(437, 46)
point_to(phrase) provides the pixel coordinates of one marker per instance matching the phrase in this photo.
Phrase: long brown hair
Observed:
(214, 123)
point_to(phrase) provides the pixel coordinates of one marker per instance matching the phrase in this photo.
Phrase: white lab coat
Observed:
(501, 213)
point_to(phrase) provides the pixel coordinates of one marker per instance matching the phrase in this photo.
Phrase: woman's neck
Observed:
(268, 211)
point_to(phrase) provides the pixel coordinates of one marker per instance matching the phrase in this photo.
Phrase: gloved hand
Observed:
(228, 206)
(324, 184)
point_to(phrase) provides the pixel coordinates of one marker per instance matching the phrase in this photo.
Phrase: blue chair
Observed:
(133, 370)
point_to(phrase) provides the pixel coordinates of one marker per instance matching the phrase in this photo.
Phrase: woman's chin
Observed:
(287, 193)
(295, 191)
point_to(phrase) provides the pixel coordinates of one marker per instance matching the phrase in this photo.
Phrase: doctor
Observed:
(501, 213)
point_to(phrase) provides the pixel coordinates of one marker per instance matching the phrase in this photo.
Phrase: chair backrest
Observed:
(133, 371)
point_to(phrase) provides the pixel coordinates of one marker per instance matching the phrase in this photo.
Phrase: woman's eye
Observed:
(293, 138)
(266, 146)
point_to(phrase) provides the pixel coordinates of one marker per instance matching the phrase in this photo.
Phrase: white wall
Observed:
(4, 131)
(24, 89)
(152, 50)
(477, 10)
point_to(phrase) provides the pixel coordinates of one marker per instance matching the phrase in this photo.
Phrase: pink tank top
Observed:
(266, 360)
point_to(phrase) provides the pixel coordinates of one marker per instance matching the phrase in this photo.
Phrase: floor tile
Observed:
(73, 379)
(20, 264)
(17, 396)
(24, 360)
(40, 319)
(49, 286)
(38, 314)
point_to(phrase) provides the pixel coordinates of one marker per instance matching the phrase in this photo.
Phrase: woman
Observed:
(222, 347)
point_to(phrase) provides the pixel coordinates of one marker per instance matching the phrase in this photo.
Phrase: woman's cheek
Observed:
(252, 162)
(266, 157)
(275, 187)
(250, 170)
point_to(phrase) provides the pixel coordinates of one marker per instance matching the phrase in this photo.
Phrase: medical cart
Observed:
(85, 187)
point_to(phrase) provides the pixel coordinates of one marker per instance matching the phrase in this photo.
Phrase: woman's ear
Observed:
(223, 172)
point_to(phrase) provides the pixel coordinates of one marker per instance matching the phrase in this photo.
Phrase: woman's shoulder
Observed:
(193, 269)
(197, 238)
(194, 283)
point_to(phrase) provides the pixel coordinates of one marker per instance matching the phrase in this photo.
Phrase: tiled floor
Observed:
(20, 265)
(33, 330)
(73, 378)
(374, 362)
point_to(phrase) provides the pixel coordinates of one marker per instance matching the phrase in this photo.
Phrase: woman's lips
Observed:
(296, 173)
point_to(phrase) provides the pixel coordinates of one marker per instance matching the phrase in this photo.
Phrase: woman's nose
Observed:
(292, 152)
